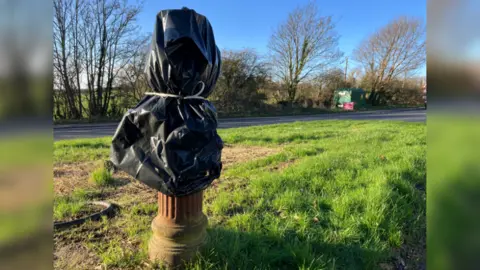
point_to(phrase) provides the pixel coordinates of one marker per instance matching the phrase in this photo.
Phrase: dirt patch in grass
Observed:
(281, 166)
(74, 256)
(131, 193)
(68, 177)
(98, 245)
(412, 255)
(240, 154)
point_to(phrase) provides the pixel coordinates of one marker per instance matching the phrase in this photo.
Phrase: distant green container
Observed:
(343, 95)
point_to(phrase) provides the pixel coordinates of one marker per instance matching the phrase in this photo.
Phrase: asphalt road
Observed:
(62, 132)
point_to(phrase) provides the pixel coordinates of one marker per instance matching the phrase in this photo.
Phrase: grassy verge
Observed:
(334, 195)
(307, 111)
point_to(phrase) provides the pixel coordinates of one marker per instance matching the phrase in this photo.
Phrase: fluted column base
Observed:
(179, 229)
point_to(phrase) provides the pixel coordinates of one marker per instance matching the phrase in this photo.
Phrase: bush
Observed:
(101, 177)
(309, 103)
(238, 87)
(397, 92)
(407, 96)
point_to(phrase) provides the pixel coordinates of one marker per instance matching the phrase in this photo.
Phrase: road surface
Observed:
(62, 132)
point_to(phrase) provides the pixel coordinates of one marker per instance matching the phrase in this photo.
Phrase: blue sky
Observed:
(249, 23)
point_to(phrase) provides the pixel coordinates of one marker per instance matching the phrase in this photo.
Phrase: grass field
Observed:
(310, 195)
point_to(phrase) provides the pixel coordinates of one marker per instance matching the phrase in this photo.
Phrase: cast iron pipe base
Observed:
(179, 229)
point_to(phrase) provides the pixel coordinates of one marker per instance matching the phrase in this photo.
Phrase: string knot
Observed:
(196, 96)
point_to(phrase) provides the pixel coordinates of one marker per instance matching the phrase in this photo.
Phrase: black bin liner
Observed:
(169, 141)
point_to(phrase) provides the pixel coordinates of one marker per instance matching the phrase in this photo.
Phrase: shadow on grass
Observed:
(228, 249)
(120, 182)
(404, 220)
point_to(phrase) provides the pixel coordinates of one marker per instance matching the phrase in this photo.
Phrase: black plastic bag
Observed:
(169, 140)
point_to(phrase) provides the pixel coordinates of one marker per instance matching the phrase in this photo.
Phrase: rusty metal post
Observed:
(179, 229)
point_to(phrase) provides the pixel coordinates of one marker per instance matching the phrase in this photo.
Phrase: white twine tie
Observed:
(196, 96)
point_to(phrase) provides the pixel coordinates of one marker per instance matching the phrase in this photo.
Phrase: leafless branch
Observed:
(304, 44)
(394, 50)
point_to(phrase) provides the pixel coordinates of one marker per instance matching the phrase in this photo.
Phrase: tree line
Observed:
(95, 44)
(99, 56)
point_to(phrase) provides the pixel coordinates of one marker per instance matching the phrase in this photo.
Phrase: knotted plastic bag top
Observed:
(183, 54)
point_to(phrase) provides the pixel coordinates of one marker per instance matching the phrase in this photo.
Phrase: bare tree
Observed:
(275, 91)
(302, 45)
(353, 76)
(75, 40)
(93, 41)
(111, 39)
(132, 79)
(396, 50)
(64, 24)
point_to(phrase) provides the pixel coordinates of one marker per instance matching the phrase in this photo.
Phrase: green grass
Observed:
(340, 195)
(114, 255)
(68, 206)
(64, 208)
(81, 150)
(101, 177)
